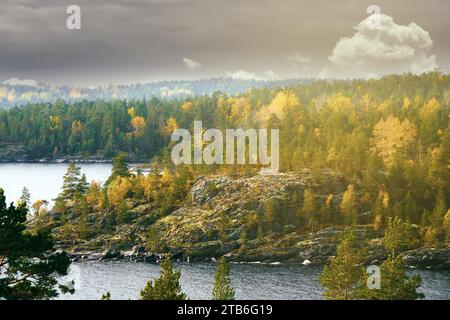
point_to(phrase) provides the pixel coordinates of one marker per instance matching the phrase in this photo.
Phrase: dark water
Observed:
(124, 280)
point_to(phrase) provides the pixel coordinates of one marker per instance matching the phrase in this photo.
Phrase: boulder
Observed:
(203, 249)
(111, 254)
(429, 258)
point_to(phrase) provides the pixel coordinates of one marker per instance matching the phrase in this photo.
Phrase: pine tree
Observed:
(166, 287)
(342, 276)
(438, 214)
(222, 284)
(71, 182)
(397, 236)
(82, 185)
(83, 227)
(308, 211)
(25, 197)
(119, 169)
(348, 205)
(410, 209)
(272, 211)
(395, 283)
(25, 253)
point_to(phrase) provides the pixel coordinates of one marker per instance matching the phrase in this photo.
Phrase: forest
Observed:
(377, 153)
(389, 137)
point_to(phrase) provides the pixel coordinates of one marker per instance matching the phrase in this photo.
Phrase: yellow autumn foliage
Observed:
(118, 190)
(391, 136)
(138, 124)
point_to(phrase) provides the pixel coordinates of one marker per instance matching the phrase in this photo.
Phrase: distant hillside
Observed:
(15, 92)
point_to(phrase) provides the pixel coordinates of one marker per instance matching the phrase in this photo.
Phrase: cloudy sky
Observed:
(127, 41)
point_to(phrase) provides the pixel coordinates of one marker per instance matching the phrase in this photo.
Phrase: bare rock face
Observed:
(213, 224)
(429, 258)
(12, 152)
(194, 231)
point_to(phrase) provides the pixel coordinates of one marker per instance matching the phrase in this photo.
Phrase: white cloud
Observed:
(18, 82)
(241, 74)
(268, 75)
(191, 64)
(299, 59)
(371, 52)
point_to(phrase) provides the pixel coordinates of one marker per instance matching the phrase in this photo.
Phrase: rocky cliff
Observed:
(211, 225)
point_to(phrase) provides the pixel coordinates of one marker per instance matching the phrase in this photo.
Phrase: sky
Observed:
(129, 41)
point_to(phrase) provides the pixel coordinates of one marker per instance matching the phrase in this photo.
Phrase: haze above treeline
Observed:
(16, 92)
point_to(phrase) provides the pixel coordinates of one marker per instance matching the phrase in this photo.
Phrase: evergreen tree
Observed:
(348, 205)
(397, 236)
(82, 186)
(119, 168)
(28, 262)
(222, 284)
(25, 197)
(395, 283)
(410, 209)
(166, 287)
(438, 214)
(308, 211)
(272, 212)
(83, 227)
(71, 182)
(342, 276)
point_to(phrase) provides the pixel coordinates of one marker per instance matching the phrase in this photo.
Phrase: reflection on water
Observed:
(124, 280)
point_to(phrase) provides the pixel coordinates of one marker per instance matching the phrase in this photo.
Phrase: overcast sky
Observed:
(127, 41)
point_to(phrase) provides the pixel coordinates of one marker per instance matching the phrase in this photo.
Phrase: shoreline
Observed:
(66, 160)
(423, 258)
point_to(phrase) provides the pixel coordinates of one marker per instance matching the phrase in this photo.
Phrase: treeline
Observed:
(389, 137)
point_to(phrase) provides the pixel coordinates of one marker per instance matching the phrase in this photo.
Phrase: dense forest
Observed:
(371, 155)
(390, 138)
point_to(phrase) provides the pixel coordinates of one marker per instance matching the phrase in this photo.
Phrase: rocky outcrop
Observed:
(196, 230)
(12, 152)
(428, 258)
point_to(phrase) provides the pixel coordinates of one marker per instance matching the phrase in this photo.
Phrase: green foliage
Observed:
(106, 296)
(28, 262)
(395, 283)
(381, 146)
(272, 213)
(397, 236)
(119, 169)
(74, 184)
(25, 197)
(308, 212)
(166, 287)
(345, 278)
(342, 276)
(223, 289)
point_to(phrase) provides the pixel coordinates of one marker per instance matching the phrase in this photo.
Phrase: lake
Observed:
(125, 279)
(43, 180)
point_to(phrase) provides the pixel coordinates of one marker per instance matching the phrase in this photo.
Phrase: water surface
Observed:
(43, 180)
(124, 280)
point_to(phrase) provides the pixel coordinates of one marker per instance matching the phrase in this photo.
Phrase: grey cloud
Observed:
(141, 40)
